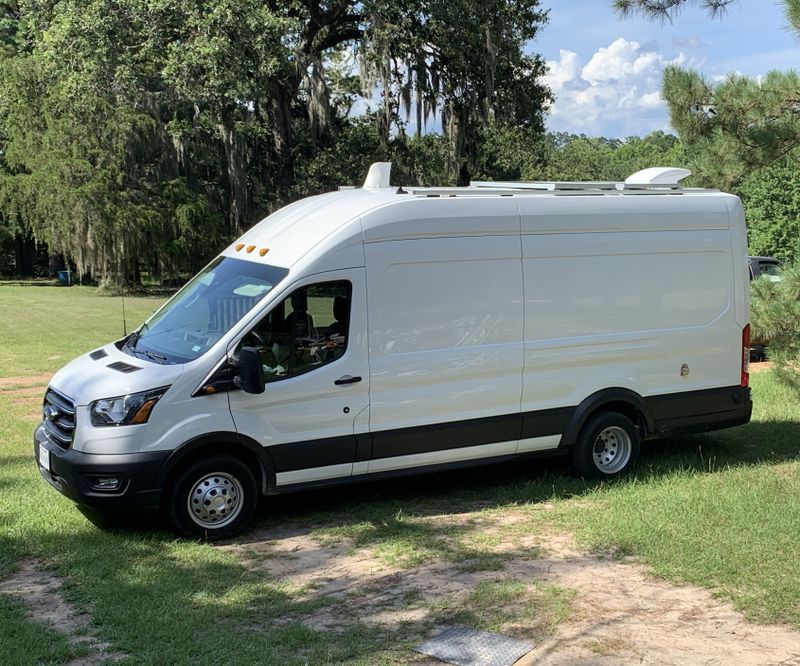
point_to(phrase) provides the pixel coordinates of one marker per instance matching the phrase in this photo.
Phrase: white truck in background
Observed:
(394, 330)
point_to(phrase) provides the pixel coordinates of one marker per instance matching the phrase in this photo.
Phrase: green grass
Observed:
(24, 643)
(719, 510)
(404, 542)
(494, 605)
(43, 327)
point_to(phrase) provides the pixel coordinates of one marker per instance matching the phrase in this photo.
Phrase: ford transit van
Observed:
(397, 330)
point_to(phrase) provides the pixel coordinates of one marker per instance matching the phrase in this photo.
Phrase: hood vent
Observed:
(98, 354)
(121, 366)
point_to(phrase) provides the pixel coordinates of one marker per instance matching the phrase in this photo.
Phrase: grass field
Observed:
(41, 328)
(720, 511)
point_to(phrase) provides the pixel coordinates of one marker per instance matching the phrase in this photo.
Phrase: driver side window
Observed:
(305, 331)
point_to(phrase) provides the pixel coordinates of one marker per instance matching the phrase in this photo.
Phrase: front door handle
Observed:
(347, 379)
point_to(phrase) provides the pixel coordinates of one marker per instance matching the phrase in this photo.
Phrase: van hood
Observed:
(107, 372)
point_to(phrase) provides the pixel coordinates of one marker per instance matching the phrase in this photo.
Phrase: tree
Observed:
(462, 60)
(771, 198)
(738, 125)
(138, 135)
(667, 9)
(92, 171)
(775, 316)
(572, 157)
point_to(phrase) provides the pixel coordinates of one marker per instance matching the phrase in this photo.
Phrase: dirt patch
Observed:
(620, 614)
(24, 382)
(625, 616)
(30, 399)
(761, 366)
(39, 590)
(300, 560)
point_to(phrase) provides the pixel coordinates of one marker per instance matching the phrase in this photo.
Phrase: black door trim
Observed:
(685, 412)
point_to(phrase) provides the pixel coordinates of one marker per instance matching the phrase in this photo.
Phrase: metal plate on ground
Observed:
(468, 647)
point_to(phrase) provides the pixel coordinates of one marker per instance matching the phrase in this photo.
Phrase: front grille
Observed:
(59, 418)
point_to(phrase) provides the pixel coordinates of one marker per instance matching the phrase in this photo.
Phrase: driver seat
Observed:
(299, 323)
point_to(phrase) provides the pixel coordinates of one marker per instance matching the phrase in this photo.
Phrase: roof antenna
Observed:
(124, 321)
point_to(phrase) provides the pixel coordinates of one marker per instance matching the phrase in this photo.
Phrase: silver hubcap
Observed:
(215, 500)
(612, 450)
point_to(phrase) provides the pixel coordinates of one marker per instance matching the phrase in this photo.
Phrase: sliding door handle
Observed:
(347, 379)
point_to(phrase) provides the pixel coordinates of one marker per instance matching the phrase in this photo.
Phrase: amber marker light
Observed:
(239, 246)
(143, 414)
(263, 251)
(208, 390)
(250, 248)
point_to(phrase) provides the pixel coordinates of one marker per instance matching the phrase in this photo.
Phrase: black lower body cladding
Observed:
(143, 475)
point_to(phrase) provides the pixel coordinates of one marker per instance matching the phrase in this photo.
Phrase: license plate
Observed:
(44, 458)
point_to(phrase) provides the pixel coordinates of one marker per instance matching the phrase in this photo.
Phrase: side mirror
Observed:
(250, 375)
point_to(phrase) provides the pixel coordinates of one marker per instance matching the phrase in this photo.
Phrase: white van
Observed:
(383, 330)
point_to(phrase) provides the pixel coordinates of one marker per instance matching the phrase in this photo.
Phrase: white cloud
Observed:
(617, 92)
(563, 70)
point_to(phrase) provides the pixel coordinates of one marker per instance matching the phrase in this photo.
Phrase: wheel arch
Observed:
(620, 400)
(250, 452)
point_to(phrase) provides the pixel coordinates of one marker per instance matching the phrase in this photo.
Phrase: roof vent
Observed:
(658, 176)
(378, 175)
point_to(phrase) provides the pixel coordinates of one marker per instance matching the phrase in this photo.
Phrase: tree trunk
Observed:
(281, 116)
(463, 175)
(24, 248)
(237, 178)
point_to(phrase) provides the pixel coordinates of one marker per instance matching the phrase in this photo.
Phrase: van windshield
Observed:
(204, 310)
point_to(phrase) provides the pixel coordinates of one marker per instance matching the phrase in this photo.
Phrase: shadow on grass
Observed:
(530, 482)
(163, 600)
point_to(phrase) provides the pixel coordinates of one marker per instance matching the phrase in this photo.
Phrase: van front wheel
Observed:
(607, 446)
(213, 498)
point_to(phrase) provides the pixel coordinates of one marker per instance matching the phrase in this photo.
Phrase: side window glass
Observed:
(305, 331)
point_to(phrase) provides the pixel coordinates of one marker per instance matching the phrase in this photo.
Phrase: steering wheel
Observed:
(260, 339)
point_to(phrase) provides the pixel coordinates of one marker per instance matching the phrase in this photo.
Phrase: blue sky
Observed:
(606, 70)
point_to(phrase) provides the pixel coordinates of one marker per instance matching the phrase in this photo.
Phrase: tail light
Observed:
(746, 356)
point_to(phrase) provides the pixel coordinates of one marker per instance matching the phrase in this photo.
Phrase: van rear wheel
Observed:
(607, 446)
(214, 498)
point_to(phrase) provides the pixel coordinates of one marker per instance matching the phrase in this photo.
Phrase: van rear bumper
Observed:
(700, 411)
(72, 472)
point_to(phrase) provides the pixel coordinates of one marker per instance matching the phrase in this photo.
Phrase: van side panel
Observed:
(445, 335)
(414, 218)
(630, 308)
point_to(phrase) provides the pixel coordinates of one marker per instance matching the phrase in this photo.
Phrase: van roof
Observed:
(287, 235)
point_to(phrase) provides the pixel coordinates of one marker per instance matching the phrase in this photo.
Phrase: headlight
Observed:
(125, 410)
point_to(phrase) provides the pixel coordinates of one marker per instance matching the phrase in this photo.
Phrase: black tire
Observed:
(619, 439)
(222, 490)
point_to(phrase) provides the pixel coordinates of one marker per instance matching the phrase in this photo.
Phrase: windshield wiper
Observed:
(149, 354)
(131, 344)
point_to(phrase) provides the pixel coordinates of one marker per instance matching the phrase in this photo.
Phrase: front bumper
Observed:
(70, 472)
